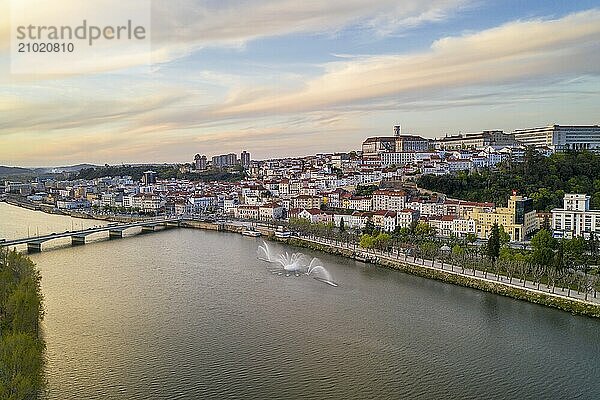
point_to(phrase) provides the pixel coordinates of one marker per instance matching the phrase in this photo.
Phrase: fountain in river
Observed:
(295, 264)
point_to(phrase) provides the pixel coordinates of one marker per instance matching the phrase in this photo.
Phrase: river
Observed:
(190, 314)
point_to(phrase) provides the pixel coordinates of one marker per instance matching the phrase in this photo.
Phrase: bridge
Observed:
(78, 238)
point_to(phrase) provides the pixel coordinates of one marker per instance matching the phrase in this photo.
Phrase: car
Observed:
(2, 240)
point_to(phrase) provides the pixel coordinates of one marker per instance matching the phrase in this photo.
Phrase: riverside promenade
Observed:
(557, 297)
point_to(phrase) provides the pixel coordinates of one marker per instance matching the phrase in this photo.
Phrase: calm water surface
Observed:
(17, 223)
(189, 314)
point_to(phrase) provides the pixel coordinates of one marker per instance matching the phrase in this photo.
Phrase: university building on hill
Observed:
(561, 137)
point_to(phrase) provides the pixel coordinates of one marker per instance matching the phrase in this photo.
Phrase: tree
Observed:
(546, 223)
(504, 237)
(575, 253)
(542, 256)
(557, 269)
(423, 231)
(342, 225)
(458, 255)
(21, 347)
(366, 190)
(592, 248)
(21, 366)
(544, 179)
(381, 241)
(470, 238)
(369, 227)
(429, 250)
(366, 241)
(493, 244)
(403, 234)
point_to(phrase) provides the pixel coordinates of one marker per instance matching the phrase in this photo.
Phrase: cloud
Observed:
(182, 27)
(515, 52)
(235, 22)
(520, 62)
(22, 116)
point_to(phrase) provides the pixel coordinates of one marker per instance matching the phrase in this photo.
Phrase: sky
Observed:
(291, 78)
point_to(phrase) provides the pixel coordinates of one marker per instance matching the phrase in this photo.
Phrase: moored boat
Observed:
(281, 233)
(251, 232)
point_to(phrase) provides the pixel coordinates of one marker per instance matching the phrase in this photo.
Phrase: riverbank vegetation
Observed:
(544, 179)
(571, 305)
(21, 344)
(557, 265)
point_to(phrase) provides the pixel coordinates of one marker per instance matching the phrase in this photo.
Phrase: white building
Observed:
(405, 218)
(462, 227)
(356, 220)
(247, 212)
(270, 211)
(393, 200)
(561, 137)
(397, 158)
(575, 218)
(361, 203)
(229, 205)
(201, 203)
(147, 202)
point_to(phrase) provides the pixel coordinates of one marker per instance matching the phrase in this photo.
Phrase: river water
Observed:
(190, 314)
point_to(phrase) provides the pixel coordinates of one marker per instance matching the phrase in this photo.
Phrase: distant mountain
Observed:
(18, 171)
(12, 171)
(58, 170)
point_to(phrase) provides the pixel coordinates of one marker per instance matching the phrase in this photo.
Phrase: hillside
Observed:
(10, 171)
(544, 179)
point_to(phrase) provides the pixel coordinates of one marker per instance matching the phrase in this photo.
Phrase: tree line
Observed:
(163, 172)
(544, 179)
(21, 344)
(555, 264)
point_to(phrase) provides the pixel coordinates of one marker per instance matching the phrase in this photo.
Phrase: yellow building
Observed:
(518, 219)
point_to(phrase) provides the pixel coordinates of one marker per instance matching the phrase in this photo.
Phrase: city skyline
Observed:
(288, 79)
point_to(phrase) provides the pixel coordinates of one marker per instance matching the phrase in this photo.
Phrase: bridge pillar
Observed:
(115, 234)
(34, 247)
(148, 228)
(77, 240)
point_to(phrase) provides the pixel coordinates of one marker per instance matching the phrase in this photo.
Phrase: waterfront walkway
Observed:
(375, 256)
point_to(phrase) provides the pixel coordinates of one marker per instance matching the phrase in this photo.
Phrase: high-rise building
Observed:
(561, 137)
(245, 159)
(224, 160)
(200, 162)
(149, 178)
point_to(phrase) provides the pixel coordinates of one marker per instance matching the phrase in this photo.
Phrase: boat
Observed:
(281, 233)
(251, 232)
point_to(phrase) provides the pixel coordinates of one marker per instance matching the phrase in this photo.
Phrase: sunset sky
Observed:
(289, 78)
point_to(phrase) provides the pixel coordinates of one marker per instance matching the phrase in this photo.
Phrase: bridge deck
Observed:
(86, 232)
